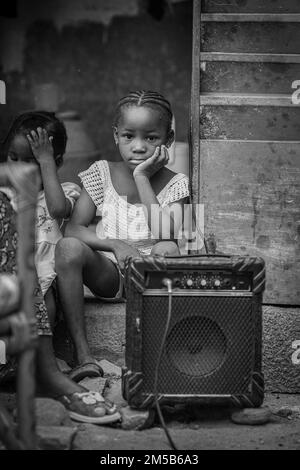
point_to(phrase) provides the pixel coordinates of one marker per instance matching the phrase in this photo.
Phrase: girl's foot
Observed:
(90, 407)
(83, 405)
(87, 368)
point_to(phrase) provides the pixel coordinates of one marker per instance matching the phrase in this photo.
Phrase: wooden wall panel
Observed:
(251, 197)
(247, 77)
(251, 6)
(250, 122)
(251, 37)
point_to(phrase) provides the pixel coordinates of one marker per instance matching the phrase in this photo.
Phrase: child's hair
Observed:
(31, 120)
(150, 99)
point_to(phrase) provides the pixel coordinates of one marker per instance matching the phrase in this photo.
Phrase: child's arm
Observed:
(83, 214)
(164, 223)
(58, 205)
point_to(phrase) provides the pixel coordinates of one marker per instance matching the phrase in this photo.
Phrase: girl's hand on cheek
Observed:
(41, 145)
(150, 166)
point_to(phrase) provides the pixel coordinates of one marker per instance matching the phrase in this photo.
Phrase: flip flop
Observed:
(89, 369)
(90, 407)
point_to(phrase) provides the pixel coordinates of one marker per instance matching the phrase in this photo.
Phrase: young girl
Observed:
(138, 197)
(40, 138)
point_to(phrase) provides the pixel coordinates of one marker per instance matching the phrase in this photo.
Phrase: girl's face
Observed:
(140, 130)
(19, 150)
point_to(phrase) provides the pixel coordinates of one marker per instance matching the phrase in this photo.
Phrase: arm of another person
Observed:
(58, 205)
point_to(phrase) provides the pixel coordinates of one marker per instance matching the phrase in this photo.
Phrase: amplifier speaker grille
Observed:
(209, 348)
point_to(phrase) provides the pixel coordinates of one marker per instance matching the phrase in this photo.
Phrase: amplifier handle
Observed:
(202, 255)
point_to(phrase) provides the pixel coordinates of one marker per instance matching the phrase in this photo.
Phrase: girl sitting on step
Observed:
(138, 197)
(40, 138)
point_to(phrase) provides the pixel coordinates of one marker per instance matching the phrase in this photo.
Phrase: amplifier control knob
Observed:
(203, 282)
(217, 283)
(189, 282)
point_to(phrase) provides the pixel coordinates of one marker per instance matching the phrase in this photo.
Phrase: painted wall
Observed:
(95, 52)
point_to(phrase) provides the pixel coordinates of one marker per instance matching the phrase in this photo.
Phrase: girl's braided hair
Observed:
(150, 99)
(30, 120)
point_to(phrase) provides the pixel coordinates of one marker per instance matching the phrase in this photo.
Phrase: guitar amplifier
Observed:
(212, 352)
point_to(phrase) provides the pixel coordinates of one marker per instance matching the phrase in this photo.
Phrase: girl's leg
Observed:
(77, 264)
(164, 248)
(50, 379)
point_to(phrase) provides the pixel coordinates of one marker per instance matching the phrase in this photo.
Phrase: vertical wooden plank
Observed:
(195, 102)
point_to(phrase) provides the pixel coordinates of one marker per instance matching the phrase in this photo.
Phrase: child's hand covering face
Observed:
(40, 144)
(153, 164)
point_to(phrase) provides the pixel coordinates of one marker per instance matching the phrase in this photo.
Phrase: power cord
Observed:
(168, 283)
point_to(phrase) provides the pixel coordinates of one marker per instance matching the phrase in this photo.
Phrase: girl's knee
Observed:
(68, 251)
(165, 248)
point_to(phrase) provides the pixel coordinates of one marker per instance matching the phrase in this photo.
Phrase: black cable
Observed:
(167, 282)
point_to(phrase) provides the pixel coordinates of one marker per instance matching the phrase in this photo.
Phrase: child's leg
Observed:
(51, 306)
(164, 248)
(51, 380)
(77, 264)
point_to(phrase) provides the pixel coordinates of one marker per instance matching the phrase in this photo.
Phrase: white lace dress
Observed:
(121, 220)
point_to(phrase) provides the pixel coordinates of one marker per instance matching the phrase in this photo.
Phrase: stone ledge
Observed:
(106, 329)
(281, 349)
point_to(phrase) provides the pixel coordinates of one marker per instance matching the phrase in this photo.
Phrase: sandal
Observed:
(89, 369)
(90, 407)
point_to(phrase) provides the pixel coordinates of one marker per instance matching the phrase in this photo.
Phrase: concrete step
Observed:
(281, 341)
(106, 330)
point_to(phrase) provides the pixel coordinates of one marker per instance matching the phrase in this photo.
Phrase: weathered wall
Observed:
(96, 60)
(246, 134)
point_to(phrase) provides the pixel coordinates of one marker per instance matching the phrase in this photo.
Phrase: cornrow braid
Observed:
(30, 120)
(151, 99)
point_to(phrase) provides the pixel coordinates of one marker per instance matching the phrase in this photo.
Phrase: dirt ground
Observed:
(214, 430)
(196, 429)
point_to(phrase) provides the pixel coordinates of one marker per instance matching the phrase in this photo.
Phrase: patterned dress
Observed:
(8, 246)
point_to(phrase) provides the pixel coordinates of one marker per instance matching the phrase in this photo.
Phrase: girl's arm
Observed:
(58, 205)
(164, 223)
(83, 214)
